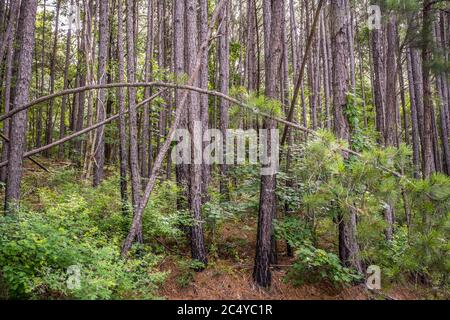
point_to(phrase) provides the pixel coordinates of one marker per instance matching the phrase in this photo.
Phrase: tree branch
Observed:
(81, 132)
(137, 218)
(302, 69)
(32, 160)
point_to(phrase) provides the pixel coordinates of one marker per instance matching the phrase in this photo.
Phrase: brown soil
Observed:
(223, 282)
(229, 276)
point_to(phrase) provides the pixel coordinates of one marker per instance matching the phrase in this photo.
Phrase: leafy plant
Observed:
(187, 270)
(79, 227)
(315, 265)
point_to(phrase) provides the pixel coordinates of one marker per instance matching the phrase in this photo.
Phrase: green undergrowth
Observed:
(65, 241)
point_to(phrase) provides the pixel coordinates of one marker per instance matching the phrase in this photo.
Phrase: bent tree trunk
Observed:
(137, 219)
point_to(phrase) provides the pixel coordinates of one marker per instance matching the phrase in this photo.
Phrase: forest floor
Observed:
(229, 276)
(229, 272)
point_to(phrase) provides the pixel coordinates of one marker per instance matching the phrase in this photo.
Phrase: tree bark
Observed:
(390, 134)
(82, 78)
(62, 126)
(379, 81)
(224, 83)
(14, 17)
(204, 100)
(123, 150)
(89, 55)
(137, 219)
(99, 154)
(17, 137)
(401, 79)
(49, 126)
(348, 245)
(326, 71)
(198, 250)
(162, 122)
(299, 81)
(133, 127)
(42, 84)
(267, 201)
(428, 157)
(441, 88)
(145, 136)
(252, 67)
(414, 117)
(181, 170)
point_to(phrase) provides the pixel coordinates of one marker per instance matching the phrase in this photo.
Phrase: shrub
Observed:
(187, 270)
(162, 218)
(314, 265)
(331, 184)
(38, 250)
(293, 230)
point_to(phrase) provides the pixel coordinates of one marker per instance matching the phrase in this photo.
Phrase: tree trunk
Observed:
(401, 82)
(224, 83)
(62, 126)
(326, 71)
(267, 201)
(42, 85)
(348, 246)
(428, 158)
(414, 117)
(252, 67)
(137, 219)
(99, 155)
(134, 161)
(204, 101)
(14, 17)
(123, 150)
(89, 54)
(82, 76)
(49, 128)
(17, 136)
(390, 134)
(379, 81)
(162, 122)
(362, 78)
(441, 88)
(145, 136)
(182, 173)
(198, 250)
